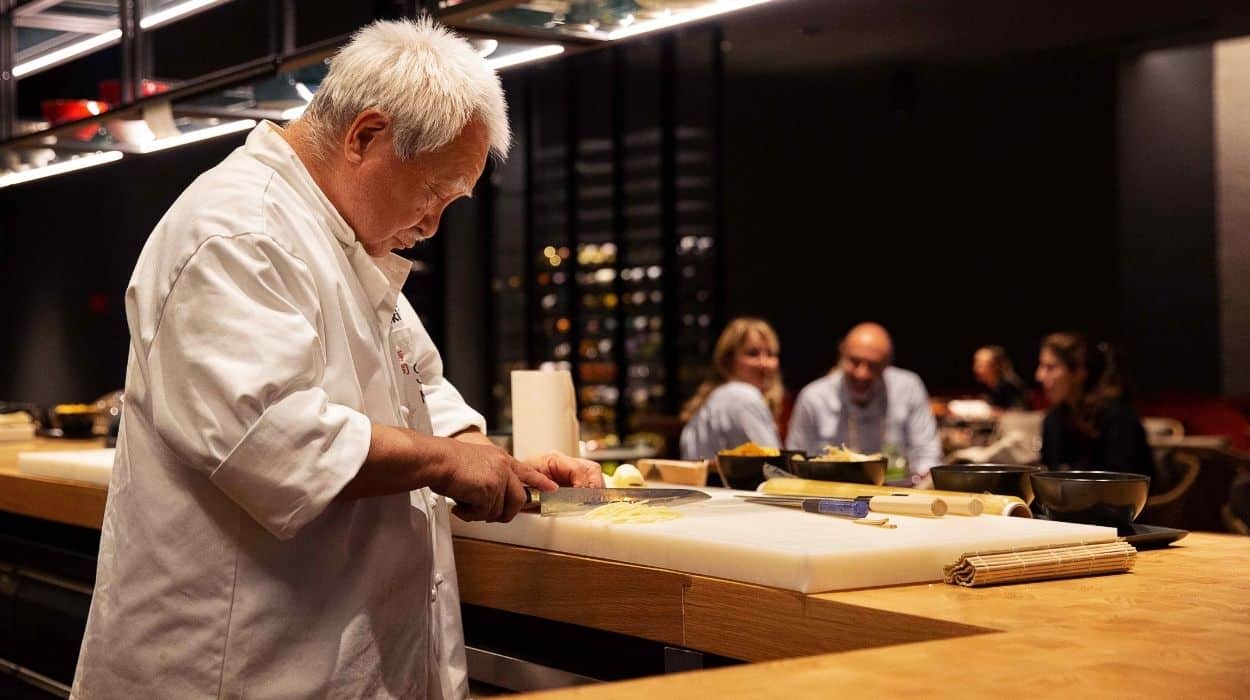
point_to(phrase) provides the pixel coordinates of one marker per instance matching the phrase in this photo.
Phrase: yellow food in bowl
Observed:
(750, 449)
(70, 409)
(841, 454)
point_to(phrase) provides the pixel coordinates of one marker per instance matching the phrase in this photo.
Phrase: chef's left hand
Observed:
(565, 470)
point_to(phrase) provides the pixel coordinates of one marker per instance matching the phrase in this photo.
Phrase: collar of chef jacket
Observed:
(382, 277)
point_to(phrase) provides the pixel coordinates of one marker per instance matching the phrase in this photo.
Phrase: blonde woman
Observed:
(740, 402)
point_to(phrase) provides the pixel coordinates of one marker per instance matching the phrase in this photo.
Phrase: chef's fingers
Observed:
(514, 498)
(571, 471)
(497, 505)
(530, 476)
(468, 512)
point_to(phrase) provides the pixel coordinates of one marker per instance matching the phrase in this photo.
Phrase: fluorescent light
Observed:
(674, 18)
(68, 166)
(485, 47)
(197, 135)
(67, 52)
(518, 57)
(292, 113)
(170, 14)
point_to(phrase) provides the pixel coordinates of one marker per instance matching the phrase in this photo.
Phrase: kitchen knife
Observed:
(572, 501)
(850, 507)
(841, 507)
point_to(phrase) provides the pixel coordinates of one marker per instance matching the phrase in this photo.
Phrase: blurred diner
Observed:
(868, 405)
(1090, 424)
(1003, 387)
(742, 399)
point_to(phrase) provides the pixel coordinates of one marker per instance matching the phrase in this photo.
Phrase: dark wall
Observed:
(1167, 203)
(68, 245)
(958, 206)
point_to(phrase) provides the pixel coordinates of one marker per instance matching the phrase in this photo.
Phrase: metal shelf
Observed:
(581, 21)
(275, 87)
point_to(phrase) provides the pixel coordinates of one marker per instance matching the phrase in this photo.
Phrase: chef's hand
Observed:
(483, 480)
(561, 469)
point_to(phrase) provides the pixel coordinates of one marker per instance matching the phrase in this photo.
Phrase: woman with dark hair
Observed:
(993, 369)
(741, 401)
(1090, 424)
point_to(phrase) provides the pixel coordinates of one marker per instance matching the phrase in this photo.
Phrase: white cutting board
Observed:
(94, 466)
(728, 538)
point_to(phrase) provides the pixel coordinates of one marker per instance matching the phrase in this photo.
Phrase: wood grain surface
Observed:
(1175, 627)
(59, 500)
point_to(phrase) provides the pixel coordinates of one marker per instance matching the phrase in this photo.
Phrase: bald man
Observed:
(867, 405)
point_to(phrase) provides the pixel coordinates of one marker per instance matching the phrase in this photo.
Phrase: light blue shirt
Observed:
(734, 413)
(897, 413)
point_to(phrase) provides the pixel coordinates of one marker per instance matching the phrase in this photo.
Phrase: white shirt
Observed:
(735, 412)
(897, 413)
(264, 343)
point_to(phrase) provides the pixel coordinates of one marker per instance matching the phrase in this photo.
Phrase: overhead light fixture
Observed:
(485, 47)
(204, 134)
(68, 166)
(516, 58)
(304, 92)
(678, 17)
(65, 53)
(170, 14)
(292, 113)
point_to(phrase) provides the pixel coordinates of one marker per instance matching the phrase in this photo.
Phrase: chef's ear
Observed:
(363, 133)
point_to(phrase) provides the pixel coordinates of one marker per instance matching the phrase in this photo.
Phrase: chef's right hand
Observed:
(483, 480)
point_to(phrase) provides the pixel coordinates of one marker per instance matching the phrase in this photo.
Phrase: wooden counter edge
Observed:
(729, 618)
(59, 500)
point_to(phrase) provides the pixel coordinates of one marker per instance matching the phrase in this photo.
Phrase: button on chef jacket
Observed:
(264, 342)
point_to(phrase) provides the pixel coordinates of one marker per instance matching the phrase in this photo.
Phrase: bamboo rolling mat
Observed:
(1041, 563)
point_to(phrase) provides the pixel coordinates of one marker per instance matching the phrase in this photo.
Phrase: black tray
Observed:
(1151, 536)
(1144, 536)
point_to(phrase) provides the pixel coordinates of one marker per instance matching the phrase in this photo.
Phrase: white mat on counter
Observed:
(770, 546)
(94, 466)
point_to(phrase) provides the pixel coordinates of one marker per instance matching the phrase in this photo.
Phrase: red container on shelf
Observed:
(111, 90)
(61, 111)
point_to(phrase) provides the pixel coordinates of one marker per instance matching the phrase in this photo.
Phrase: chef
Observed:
(277, 520)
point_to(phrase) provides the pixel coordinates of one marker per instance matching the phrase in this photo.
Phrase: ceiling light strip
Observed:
(678, 17)
(516, 58)
(170, 14)
(64, 54)
(68, 166)
(197, 135)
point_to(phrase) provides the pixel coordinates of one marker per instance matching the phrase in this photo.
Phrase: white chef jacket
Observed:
(264, 343)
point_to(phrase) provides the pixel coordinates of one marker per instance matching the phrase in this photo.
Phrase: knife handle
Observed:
(841, 507)
(532, 497)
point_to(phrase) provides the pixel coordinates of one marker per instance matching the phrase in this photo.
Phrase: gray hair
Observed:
(430, 82)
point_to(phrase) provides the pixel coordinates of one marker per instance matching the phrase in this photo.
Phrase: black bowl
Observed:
(998, 479)
(1093, 497)
(744, 473)
(868, 471)
(75, 425)
(787, 455)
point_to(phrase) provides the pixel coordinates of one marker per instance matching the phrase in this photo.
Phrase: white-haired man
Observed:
(276, 522)
(868, 405)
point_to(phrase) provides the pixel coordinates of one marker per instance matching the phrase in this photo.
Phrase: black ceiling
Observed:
(789, 35)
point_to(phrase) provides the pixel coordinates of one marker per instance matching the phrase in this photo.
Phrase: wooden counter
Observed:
(1178, 626)
(59, 500)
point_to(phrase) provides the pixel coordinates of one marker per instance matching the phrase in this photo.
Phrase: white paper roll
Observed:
(544, 413)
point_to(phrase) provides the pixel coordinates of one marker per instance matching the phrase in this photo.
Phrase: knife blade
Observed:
(571, 501)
